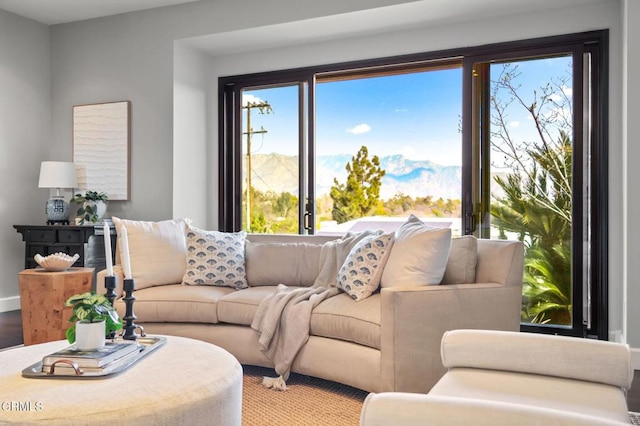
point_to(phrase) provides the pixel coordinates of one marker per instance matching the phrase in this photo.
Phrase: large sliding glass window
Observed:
(404, 121)
(538, 175)
(502, 141)
(272, 143)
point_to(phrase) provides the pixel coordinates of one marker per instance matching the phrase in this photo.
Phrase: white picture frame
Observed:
(101, 139)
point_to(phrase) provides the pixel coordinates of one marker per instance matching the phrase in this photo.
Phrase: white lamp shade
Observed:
(57, 174)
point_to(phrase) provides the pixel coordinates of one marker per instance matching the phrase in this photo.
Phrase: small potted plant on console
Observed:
(93, 206)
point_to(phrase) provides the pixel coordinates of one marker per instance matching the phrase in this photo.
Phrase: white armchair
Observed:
(508, 378)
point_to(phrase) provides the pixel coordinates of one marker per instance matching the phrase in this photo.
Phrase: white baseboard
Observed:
(635, 358)
(10, 304)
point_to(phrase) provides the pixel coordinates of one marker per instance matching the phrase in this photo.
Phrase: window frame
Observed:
(594, 42)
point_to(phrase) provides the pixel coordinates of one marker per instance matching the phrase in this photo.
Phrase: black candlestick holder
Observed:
(110, 285)
(129, 317)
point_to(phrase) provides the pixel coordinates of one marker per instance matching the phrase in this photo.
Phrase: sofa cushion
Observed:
(463, 257)
(239, 307)
(176, 303)
(291, 264)
(360, 273)
(580, 396)
(340, 317)
(418, 256)
(215, 258)
(157, 250)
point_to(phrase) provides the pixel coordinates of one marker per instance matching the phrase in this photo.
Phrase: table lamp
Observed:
(57, 174)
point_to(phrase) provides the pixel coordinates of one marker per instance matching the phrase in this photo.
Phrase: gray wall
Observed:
(147, 57)
(131, 57)
(628, 162)
(25, 133)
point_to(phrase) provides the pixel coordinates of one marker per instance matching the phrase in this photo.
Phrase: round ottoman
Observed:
(184, 382)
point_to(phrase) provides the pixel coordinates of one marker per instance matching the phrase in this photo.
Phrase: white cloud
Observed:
(401, 110)
(566, 90)
(246, 99)
(514, 124)
(359, 129)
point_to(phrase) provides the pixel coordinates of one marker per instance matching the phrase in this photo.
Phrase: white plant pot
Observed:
(100, 206)
(90, 336)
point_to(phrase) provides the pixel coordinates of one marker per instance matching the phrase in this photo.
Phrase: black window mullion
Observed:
(229, 169)
(302, 158)
(578, 193)
(310, 207)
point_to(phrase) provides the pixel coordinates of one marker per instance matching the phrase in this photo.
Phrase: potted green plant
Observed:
(93, 205)
(93, 319)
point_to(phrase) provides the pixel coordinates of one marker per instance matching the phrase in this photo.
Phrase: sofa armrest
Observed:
(414, 319)
(118, 273)
(573, 358)
(396, 408)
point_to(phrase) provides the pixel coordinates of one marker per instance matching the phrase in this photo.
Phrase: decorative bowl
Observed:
(56, 262)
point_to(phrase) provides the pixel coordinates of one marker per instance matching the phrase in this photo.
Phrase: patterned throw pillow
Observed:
(360, 273)
(215, 258)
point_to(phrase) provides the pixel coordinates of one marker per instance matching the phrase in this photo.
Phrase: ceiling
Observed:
(52, 12)
(403, 16)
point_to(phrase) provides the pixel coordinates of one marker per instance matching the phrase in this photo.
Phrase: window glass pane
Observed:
(531, 178)
(408, 127)
(270, 149)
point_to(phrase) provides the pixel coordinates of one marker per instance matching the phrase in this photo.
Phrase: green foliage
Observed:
(92, 307)
(361, 192)
(539, 212)
(537, 202)
(273, 213)
(547, 285)
(88, 211)
(402, 205)
(284, 203)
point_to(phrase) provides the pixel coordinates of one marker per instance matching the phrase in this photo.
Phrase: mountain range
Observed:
(416, 178)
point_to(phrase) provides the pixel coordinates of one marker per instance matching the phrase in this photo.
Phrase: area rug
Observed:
(307, 401)
(634, 418)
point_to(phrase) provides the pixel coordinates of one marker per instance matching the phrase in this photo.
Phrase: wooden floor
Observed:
(11, 335)
(10, 329)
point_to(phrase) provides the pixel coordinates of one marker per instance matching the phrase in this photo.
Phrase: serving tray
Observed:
(148, 344)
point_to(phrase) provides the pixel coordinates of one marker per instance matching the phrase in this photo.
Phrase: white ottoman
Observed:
(184, 382)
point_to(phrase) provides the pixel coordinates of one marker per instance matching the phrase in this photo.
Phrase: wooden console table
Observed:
(42, 297)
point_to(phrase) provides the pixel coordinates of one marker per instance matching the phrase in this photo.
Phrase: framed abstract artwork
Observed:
(101, 138)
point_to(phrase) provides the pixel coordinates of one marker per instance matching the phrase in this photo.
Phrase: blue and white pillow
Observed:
(215, 258)
(361, 271)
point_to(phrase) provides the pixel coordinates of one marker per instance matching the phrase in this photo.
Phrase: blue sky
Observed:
(417, 114)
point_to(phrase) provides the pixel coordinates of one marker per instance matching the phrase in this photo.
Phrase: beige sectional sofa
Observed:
(389, 341)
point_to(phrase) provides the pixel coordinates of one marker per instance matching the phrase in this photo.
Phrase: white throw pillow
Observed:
(157, 250)
(360, 273)
(463, 257)
(215, 258)
(419, 255)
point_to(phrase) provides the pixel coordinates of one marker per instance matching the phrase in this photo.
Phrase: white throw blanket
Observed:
(283, 318)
